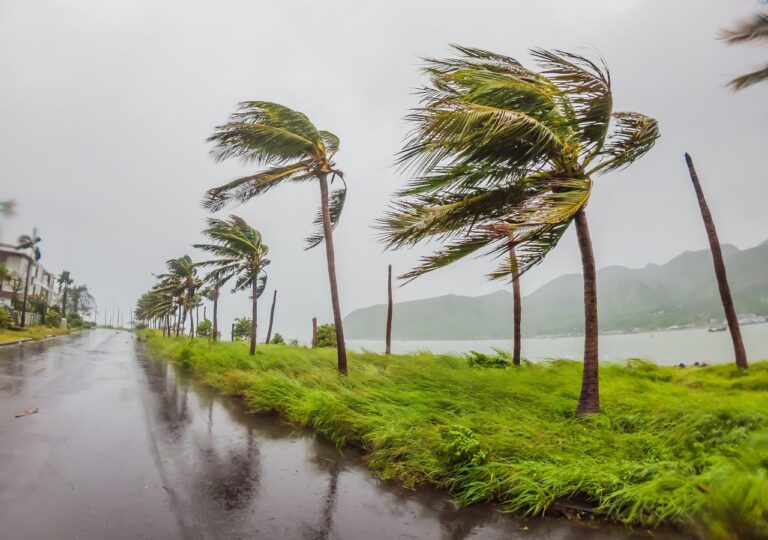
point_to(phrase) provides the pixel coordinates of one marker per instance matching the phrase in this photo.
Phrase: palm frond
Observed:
(753, 29)
(336, 202)
(633, 135)
(243, 188)
(739, 83)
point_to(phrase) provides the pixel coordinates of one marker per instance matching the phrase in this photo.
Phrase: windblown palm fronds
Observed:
(749, 30)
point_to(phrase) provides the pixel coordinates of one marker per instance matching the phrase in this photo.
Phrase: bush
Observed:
(326, 335)
(205, 328)
(242, 328)
(277, 339)
(502, 359)
(53, 317)
(5, 317)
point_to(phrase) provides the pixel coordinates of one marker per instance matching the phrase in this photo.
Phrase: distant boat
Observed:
(721, 328)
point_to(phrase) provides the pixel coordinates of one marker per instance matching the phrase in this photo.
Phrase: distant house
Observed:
(41, 282)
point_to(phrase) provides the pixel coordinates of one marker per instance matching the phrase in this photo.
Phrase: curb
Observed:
(15, 342)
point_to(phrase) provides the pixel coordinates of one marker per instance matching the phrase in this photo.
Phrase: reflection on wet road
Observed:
(126, 446)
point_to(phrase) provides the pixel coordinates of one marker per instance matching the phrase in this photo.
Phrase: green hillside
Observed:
(682, 291)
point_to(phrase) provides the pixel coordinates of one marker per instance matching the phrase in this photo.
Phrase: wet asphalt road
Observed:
(126, 446)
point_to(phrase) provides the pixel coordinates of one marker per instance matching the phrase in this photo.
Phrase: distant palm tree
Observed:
(64, 280)
(212, 293)
(182, 282)
(293, 150)
(241, 256)
(754, 29)
(504, 157)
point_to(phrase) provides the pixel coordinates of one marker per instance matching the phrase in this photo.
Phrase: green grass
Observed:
(682, 447)
(31, 332)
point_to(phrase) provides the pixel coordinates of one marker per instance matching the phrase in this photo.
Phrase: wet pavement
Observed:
(126, 446)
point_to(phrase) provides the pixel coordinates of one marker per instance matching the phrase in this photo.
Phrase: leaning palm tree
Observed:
(504, 157)
(241, 256)
(291, 149)
(749, 30)
(182, 282)
(211, 292)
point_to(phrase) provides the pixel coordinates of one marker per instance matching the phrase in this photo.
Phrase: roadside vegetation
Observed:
(672, 446)
(31, 332)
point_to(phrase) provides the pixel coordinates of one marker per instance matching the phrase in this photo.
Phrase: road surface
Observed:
(126, 446)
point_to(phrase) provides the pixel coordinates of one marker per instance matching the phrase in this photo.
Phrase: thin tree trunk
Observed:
(191, 324)
(215, 314)
(271, 317)
(518, 307)
(719, 263)
(589, 401)
(254, 286)
(64, 304)
(26, 292)
(314, 332)
(389, 311)
(341, 348)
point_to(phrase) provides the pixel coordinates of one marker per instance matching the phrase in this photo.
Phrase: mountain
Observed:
(681, 292)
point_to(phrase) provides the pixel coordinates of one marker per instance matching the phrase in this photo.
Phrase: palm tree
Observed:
(212, 293)
(754, 29)
(28, 242)
(82, 299)
(293, 150)
(182, 282)
(504, 158)
(241, 255)
(64, 280)
(271, 317)
(719, 263)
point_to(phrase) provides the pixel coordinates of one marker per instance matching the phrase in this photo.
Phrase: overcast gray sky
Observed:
(105, 106)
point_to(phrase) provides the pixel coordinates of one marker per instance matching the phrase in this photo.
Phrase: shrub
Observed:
(277, 339)
(53, 317)
(502, 359)
(5, 317)
(205, 328)
(326, 335)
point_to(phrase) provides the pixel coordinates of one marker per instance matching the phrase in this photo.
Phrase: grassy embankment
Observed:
(31, 332)
(685, 447)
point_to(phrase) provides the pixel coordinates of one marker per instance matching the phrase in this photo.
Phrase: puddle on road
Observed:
(236, 475)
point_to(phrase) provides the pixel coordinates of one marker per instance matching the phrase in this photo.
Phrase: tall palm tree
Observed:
(291, 149)
(504, 156)
(749, 30)
(241, 256)
(28, 242)
(64, 280)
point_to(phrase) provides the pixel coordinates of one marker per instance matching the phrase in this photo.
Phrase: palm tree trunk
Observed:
(722, 278)
(215, 314)
(191, 323)
(389, 311)
(64, 304)
(589, 401)
(517, 308)
(26, 292)
(254, 287)
(271, 317)
(341, 348)
(314, 332)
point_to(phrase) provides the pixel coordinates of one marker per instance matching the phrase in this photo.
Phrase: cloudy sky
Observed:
(106, 105)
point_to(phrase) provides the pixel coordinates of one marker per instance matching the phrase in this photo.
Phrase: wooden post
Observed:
(389, 311)
(233, 332)
(314, 332)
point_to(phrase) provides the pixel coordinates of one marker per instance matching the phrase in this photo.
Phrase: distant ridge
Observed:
(681, 292)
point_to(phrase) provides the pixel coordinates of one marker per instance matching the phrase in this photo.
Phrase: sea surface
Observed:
(664, 347)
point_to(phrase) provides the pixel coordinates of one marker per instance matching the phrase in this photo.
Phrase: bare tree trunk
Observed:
(518, 307)
(254, 286)
(722, 278)
(589, 401)
(314, 332)
(216, 314)
(341, 348)
(191, 323)
(271, 317)
(26, 292)
(389, 311)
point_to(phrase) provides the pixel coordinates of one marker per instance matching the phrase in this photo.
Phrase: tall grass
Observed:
(683, 447)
